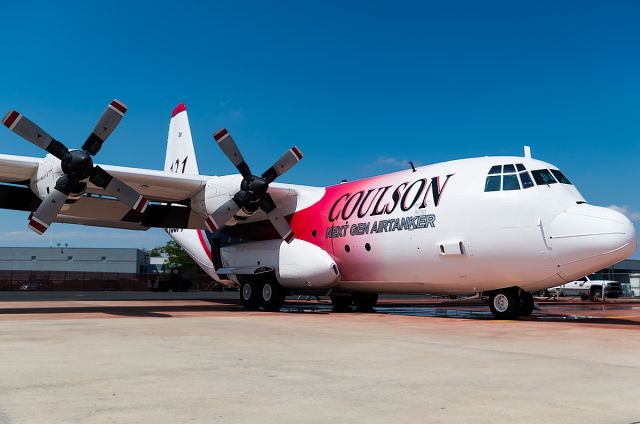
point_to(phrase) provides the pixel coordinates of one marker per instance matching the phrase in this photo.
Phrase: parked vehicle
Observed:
(33, 286)
(588, 289)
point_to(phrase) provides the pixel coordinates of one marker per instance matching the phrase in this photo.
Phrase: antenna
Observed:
(412, 167)
(527, 152)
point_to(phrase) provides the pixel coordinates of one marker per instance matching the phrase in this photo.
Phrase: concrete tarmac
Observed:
(200, 361)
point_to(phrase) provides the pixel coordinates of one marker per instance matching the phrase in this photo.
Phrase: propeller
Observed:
(77, 165)
(253, 194)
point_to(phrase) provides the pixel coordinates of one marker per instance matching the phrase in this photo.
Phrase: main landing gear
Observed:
(268, 294)
(511, 303)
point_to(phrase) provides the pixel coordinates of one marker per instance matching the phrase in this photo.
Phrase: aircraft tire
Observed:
(341, 302)
(526, 305)
(505, 304)
(249, 295)
(365, 301)
(272, 296)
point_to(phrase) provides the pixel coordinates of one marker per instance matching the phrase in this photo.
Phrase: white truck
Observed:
(587, 289)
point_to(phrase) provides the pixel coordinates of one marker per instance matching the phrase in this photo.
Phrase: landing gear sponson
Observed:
(510, 303)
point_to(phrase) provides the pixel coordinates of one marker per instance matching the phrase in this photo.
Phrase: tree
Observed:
(176, 256)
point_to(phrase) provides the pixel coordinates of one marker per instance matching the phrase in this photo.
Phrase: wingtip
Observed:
(180, 108)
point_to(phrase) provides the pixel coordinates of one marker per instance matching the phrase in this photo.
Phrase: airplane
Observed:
(496, 226)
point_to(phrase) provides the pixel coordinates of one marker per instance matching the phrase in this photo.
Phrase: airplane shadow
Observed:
(466, 312)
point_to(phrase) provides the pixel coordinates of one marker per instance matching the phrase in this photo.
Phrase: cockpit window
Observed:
(560, 176)
(510, 181)
(520, 167)
(508, 168)
(543, 177)
(526, 180)
(496, 169)
(492, 183)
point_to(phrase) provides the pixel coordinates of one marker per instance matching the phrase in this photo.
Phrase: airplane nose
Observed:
(586, 238)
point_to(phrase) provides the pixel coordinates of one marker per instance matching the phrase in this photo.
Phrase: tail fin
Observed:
(180, 157)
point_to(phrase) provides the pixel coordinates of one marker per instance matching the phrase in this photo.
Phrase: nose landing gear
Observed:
(510, 303)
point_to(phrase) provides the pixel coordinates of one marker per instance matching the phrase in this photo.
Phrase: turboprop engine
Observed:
(74, 169)
(44, 180)
(229, 200)
(297, 265)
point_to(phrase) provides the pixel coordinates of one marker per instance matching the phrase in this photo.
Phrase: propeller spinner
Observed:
(77, 165)
(253, 194)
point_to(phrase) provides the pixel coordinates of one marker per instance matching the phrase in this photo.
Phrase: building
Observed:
(627, 272)
(74, 259)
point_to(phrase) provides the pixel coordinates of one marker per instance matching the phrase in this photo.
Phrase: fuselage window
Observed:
(560, 176)
(543, 177)
(492, 183)
(495, 169)
(510, 181)
(520, 167)
(526, 180)
(508, 168)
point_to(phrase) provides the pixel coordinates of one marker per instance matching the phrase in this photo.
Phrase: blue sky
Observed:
(359, 87)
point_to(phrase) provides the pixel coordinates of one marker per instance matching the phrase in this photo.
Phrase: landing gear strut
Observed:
(526, 303)
(341, 302)
(365, 301)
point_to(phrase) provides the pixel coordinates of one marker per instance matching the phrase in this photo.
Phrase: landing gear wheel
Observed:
(249, 296)
(526, 304)
(505, 304)
(341, 302)
(596, 295)
(365, 301)
(272, 296)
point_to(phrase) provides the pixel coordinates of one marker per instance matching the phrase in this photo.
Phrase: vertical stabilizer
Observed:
(180, 156)
(181, 159)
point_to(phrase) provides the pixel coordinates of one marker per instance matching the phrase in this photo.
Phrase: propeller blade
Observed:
(277, 219)
(227, 211)
(229, 148)
(105, 126)
(117, 188)
(40, 220)
(282, 165)
(25, 128)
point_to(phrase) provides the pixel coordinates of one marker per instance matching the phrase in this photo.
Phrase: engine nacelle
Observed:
(220, 190)
(298, 265)
(44, 180)
(217, 191)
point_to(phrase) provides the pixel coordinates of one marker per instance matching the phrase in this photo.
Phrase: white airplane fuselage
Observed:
(435, 230)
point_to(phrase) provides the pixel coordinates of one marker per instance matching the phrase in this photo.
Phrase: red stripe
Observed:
(141, 205)
(121, 107)
(35, 224)
(180, 108)
(203, 243)
(221, 133)
(296, 152)
(9, 120)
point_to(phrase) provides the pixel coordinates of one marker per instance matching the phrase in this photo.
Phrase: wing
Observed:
(17, 169)
(155, 185)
